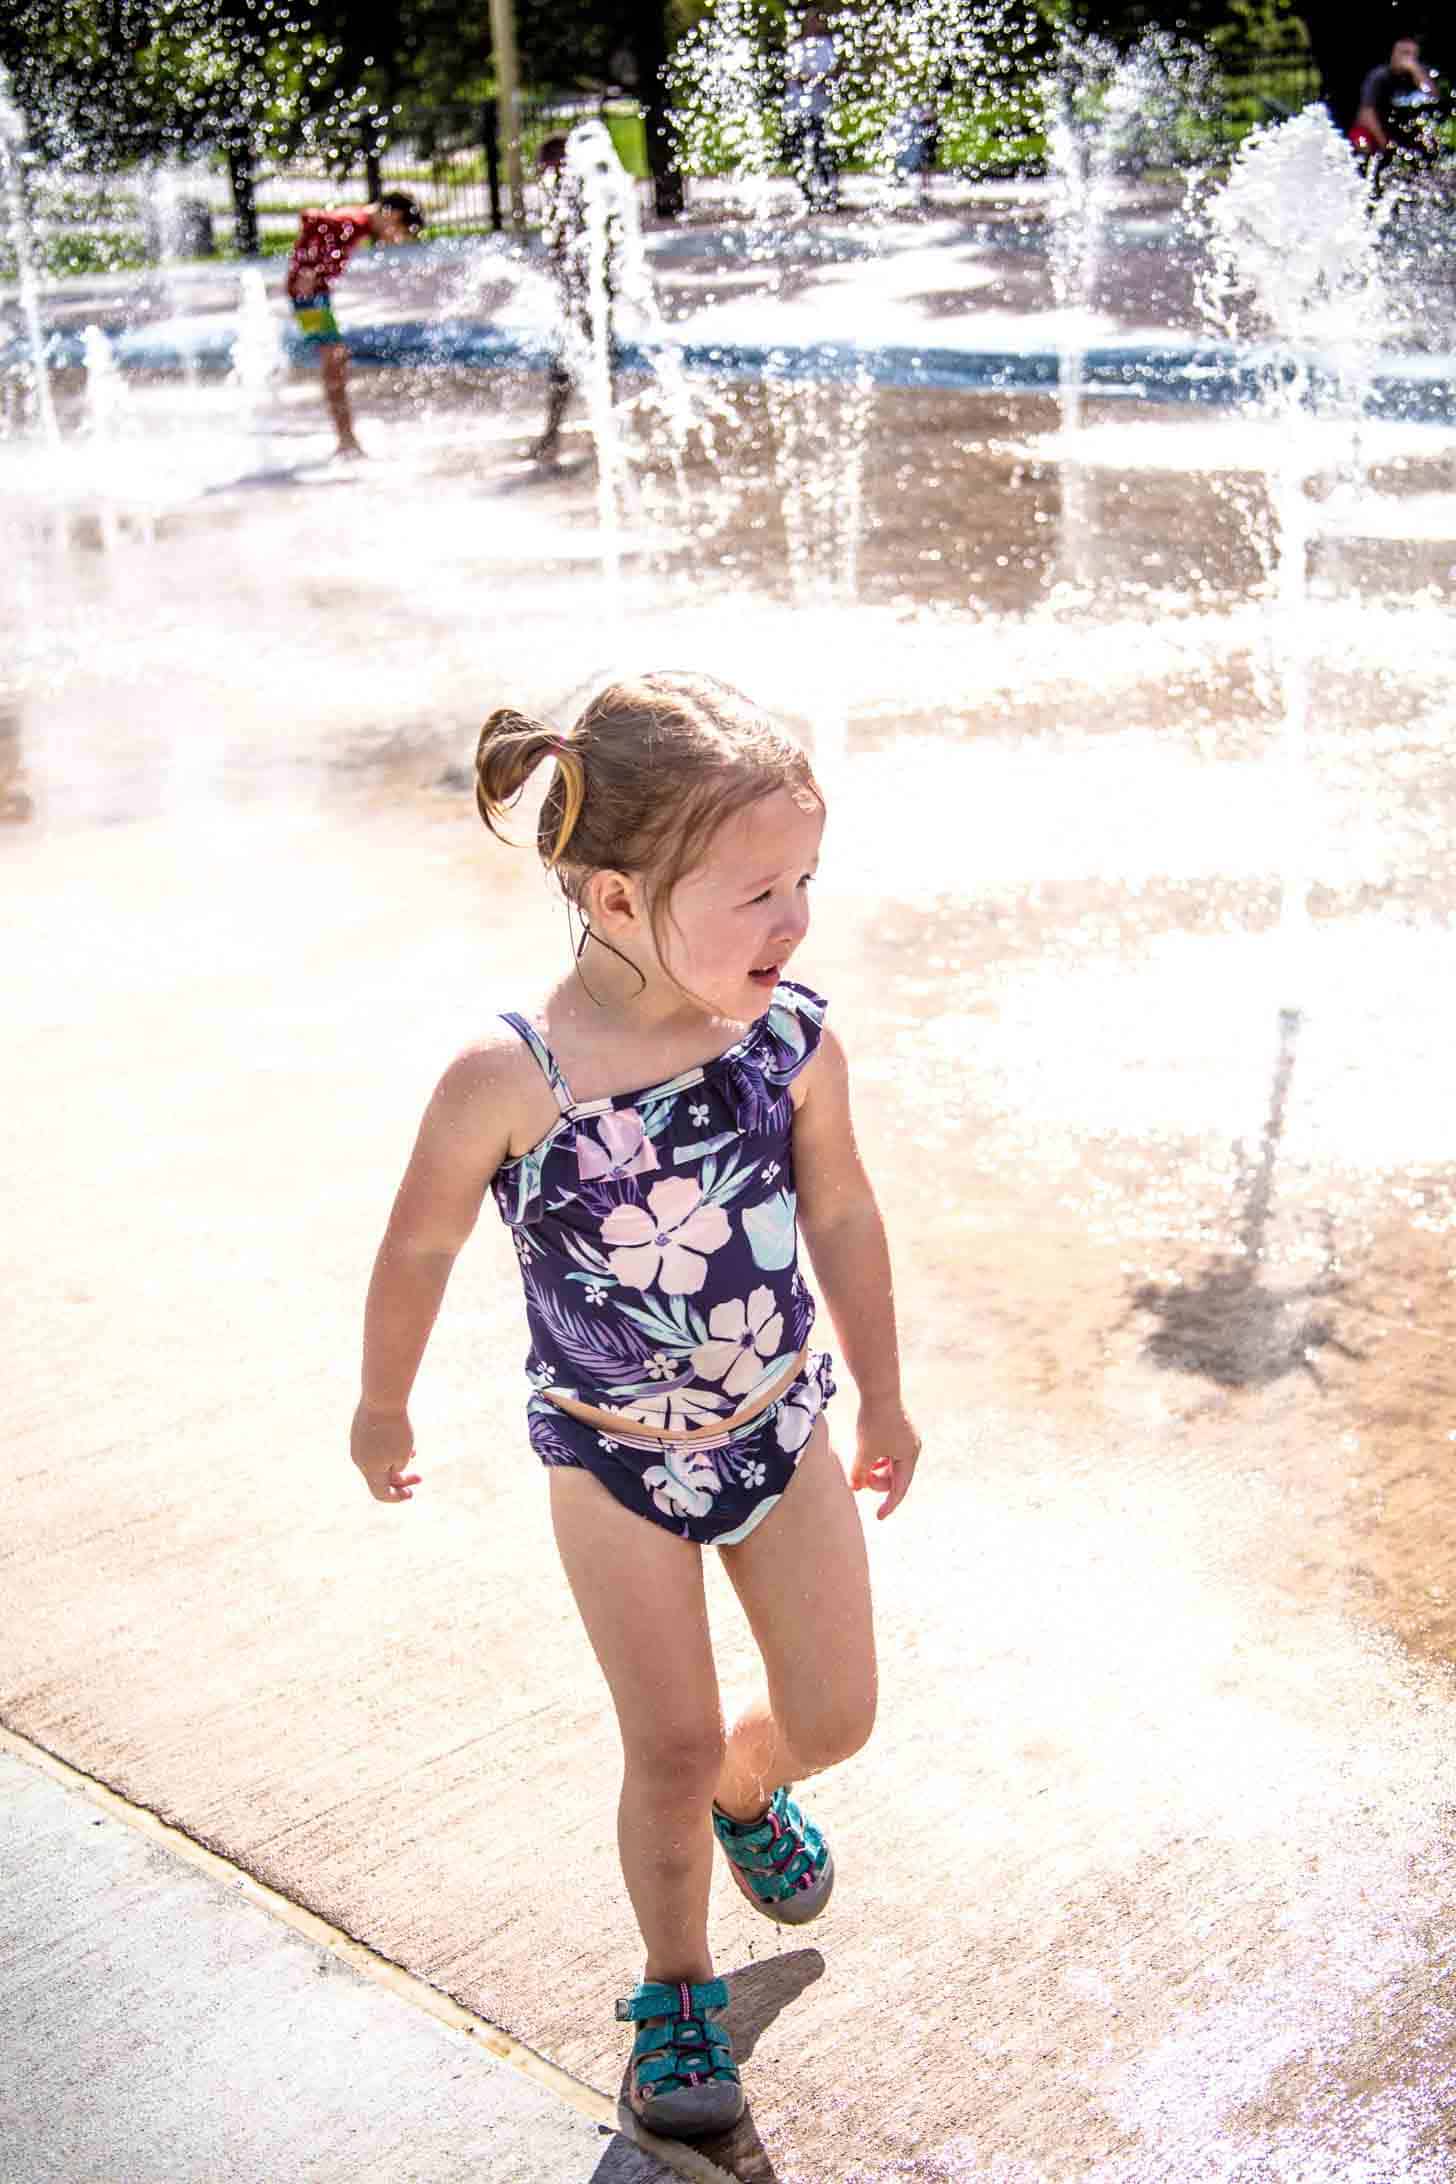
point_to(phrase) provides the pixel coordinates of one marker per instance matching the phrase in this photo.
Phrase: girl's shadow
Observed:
(757, 1993)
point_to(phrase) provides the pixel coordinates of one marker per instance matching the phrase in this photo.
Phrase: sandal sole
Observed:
(714, 2127)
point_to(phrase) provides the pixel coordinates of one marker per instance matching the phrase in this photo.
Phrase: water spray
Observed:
(12, 157)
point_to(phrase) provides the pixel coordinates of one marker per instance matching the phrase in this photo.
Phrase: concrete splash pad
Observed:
(1147, 1874)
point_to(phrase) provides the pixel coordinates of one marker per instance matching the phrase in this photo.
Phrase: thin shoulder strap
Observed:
(550, 1069)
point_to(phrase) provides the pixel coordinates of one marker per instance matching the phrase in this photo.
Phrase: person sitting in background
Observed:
(1390, 97)
(326, 242)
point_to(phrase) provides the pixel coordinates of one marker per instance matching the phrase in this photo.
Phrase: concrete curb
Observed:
(596, 2107)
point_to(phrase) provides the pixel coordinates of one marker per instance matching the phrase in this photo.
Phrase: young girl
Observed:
(655, 1134)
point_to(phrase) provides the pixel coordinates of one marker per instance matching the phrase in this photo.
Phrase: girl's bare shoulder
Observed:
(496, 1088)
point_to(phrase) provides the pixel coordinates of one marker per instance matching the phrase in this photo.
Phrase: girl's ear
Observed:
(611, 901)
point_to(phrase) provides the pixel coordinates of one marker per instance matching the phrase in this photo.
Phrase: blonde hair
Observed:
(643, 782)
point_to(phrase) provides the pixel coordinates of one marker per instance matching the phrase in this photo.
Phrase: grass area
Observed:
(83, 250)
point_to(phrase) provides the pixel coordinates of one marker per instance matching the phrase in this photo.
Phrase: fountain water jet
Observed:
(258, 360)
(105, 422)
(1293, 250)
(12, 155)
(1102, 109)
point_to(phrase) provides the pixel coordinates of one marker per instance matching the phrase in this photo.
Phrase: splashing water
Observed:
(258, 359)
(598, 203)
(106, 416)
(1102, 112)
(724, 112)
(906, 73)
(12, 155)
(106, 394)
(607, 287)
(167, 225)
(1291, 240)
(899, 74)
(1293, 253)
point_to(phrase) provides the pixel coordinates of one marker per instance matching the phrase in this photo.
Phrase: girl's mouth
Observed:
(768, 976)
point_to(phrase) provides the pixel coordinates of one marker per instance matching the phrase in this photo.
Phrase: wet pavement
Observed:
(1146, 1877)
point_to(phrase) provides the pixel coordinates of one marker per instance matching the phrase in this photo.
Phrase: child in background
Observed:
(656, 1132)
(326, 242)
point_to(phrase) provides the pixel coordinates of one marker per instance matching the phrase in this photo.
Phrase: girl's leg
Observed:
(640, 1593)
(803, 1579)
(334, 366)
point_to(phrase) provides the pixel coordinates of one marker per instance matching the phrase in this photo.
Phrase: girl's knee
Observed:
(832, 1733)
(675, 1762)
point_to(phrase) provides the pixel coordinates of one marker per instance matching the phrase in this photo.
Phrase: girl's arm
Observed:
(842, 1227)
(463, 1139)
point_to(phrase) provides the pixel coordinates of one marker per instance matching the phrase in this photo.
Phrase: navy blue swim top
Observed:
(657, 1230)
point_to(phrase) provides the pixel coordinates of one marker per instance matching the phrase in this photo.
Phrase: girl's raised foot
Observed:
(780, 1861)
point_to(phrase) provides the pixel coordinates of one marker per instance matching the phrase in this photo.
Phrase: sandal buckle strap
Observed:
(679, 2047)
(654, 1998)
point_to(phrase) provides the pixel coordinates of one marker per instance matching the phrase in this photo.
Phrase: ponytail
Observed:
(510, 749)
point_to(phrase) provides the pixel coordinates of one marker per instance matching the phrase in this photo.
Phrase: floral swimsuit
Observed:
(659, 1251)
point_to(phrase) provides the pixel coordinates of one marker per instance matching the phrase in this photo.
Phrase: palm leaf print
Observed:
(586, 1255)
(736, 1177)
(600, 1347)
(676, 1328)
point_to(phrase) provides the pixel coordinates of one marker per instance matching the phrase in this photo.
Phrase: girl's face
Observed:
(737, 917)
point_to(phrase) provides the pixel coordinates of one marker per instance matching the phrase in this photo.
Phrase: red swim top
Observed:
(326, 241)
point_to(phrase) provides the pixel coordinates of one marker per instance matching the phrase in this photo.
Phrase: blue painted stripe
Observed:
(1207, 374)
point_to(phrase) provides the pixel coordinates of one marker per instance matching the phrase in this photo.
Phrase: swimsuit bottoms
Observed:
(314, 321)
(713, 1490)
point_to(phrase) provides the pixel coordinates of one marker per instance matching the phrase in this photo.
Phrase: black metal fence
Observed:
(451, 160)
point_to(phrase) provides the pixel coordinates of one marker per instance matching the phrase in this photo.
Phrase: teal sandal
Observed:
(780, 1861)
(684, 2081)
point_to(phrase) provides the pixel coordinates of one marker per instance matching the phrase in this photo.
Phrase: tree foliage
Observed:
(125, 80)
(134, 79)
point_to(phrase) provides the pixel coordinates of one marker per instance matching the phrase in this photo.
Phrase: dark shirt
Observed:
(1390, 92)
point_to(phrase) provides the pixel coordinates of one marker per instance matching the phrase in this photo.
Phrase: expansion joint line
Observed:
(683, 2161)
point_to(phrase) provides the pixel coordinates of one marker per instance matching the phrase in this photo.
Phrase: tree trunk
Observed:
(649, 44)
(490, 138)
(245, 203)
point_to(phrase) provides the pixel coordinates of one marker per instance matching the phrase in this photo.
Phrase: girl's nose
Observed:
(796, 922)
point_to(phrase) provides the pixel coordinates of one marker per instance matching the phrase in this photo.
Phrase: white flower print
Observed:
(669, 1244)
(541, 1375)
(753, 1474)
(609, 1445)
(796, 1415)
(625, 1148)
(767, 1174)
(743, 1336)
(698, 1112)
(595, 1292)
(660, 1366)
(684, 1483)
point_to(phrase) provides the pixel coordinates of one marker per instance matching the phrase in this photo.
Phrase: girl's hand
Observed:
(382, 1444)
(887, 1452)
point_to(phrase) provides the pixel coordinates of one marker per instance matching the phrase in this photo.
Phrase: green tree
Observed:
(118, 81)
